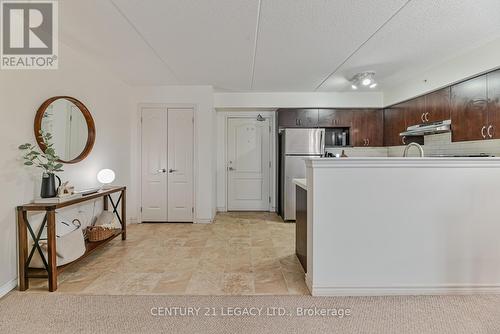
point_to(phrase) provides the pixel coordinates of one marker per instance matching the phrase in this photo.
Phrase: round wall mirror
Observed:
(71, 126)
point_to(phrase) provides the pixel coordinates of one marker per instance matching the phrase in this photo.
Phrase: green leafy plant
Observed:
(46, 160)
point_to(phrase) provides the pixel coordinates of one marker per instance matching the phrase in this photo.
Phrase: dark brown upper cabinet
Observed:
(469, 109)
(394, 124)
(298, 118)
(493, 130)
(330, 118)
(367, 128)
(437, 105)
(414, 110)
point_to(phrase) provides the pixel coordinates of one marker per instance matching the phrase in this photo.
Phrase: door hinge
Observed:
(269, 199)
(192, 210)
(192, 119)
(269, 164)
(269, 129)
(141, 209)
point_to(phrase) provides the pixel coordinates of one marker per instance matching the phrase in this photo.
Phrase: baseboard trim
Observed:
(410, 290)
(203, 221)
(308, 280)
(8, 287)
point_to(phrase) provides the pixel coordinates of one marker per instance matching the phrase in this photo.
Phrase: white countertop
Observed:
(398, 162)
(301, 183)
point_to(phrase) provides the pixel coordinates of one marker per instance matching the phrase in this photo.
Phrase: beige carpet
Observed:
(57, 313)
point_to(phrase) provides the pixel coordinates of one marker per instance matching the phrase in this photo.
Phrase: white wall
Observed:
(21, 93)
(299, 100)
(470, 63)
(202, 98)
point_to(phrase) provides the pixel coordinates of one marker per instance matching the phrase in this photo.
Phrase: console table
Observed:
(25, 273)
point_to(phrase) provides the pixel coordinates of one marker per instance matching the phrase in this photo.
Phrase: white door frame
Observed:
(223, 118)
(137, 163)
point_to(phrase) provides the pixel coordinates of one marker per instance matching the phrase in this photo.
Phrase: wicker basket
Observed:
(99, 233)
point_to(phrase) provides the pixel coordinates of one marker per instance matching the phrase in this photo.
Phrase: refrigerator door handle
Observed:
(322, 142)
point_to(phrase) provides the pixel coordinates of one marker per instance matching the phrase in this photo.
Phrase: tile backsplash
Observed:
(441, 144)
(434, 145)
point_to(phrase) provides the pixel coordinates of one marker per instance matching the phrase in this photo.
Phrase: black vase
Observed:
(49, 185)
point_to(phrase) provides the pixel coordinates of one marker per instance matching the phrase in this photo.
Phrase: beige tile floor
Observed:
(239, 254)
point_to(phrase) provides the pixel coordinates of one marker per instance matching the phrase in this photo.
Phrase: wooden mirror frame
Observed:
(88, 118)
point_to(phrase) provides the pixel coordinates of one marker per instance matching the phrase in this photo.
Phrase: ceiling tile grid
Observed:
(274, 45)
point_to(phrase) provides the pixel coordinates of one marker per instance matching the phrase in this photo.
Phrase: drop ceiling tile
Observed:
(425, 33)
(96, 28)
(301, 42)
(204, 42)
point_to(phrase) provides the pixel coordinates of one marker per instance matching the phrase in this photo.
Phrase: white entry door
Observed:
(248, 164)
(180, 165)
(167, 148)
(154, 164)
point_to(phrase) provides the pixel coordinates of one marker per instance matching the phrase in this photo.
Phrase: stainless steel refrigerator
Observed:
(295, 146)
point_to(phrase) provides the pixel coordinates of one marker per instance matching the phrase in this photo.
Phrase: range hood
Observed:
(427, 129)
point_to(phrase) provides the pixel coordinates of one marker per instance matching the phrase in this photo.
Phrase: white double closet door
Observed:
(167, 164)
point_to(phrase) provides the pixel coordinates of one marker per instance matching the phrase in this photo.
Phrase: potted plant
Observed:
(47, 160)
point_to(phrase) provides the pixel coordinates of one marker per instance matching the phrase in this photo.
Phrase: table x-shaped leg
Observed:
(36, 240)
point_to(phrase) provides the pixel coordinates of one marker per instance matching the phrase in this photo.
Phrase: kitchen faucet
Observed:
(407, 148)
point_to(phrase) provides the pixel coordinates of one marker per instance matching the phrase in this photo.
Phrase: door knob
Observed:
(163, 170)
(230, 168)
(172, 170)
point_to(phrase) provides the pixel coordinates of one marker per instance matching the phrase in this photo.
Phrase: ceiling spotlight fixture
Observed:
(364, 79)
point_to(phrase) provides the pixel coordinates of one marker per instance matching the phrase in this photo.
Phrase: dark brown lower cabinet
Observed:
(301, 226)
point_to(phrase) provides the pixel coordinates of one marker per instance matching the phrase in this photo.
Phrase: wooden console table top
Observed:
(54, 206)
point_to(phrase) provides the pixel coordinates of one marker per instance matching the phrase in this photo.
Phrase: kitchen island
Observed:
(379, 226)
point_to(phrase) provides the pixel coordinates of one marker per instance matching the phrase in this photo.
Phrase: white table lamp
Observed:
(105, 177)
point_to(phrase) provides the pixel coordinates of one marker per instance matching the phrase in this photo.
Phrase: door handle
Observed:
(230, 168)
(422, 117)
(163, 170)
(403, 140)
(172, 170)
(426, 116)
(482, 131)
(489, 131)
(367, 141)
